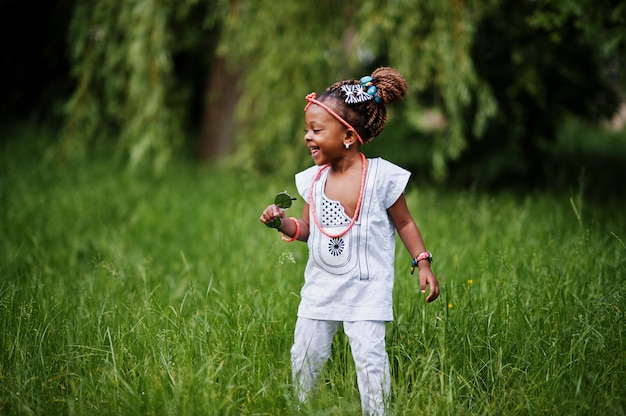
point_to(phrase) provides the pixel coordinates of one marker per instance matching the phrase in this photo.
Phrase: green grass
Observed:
(130, 293)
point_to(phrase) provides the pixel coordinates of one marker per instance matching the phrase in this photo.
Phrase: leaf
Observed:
(275, 223)
(283, 200)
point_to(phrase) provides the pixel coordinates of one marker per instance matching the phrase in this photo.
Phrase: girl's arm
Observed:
(304, 223)
(412, 240)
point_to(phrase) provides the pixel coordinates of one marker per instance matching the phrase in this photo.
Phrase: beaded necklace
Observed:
(358, 204)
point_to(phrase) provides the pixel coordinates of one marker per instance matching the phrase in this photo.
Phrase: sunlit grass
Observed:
(130, 293)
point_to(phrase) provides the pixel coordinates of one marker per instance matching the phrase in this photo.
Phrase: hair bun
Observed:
(390, 84)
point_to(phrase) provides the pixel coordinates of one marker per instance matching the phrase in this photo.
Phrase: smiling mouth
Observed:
(314, 150)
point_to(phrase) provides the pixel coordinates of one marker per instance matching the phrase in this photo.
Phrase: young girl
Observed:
(352, 207)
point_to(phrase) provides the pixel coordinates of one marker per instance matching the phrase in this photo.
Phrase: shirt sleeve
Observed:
(304, 180)
(393, 183)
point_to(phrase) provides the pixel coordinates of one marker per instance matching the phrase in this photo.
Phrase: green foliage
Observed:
(135, 293)
(122, 54)
(603, 27)
(545, 62)
(501, 77)
(489, 81)
(429, 43)
(287, 51)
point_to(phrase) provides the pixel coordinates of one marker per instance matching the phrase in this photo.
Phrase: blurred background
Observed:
(517, 95)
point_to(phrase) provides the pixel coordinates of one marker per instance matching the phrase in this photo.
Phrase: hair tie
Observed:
(367, 84)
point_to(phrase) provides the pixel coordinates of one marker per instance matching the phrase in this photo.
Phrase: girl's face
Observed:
(324, 136)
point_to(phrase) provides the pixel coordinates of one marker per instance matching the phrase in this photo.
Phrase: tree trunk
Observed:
(218, 118)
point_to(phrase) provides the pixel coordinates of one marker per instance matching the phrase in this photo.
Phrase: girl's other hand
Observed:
(427, 278)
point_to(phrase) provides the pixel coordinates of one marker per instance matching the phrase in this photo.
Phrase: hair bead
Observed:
(368, 84)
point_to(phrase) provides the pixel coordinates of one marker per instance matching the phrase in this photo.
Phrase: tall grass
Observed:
(129, 293)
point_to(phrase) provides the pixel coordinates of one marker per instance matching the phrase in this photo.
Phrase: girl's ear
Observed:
(350, 137)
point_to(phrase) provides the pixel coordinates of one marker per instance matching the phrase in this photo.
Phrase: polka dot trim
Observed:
(333, 213)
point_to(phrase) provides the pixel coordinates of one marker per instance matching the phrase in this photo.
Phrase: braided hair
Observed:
(368, 117)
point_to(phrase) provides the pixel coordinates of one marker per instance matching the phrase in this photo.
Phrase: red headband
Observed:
(312, 100)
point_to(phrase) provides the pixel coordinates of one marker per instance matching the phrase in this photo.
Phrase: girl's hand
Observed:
(427, 277)
(272, 212)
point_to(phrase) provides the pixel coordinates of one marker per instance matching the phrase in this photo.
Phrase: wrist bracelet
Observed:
(296, 235)
(426, 255)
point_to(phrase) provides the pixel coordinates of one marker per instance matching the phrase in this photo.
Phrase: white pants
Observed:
(311, 349)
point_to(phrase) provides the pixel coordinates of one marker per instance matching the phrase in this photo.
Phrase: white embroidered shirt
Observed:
(350, 278)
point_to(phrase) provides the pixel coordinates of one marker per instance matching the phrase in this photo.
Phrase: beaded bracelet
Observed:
(426, 255)
(296, 235)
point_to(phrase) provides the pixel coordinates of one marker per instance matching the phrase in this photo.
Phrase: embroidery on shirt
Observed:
(336, 246)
